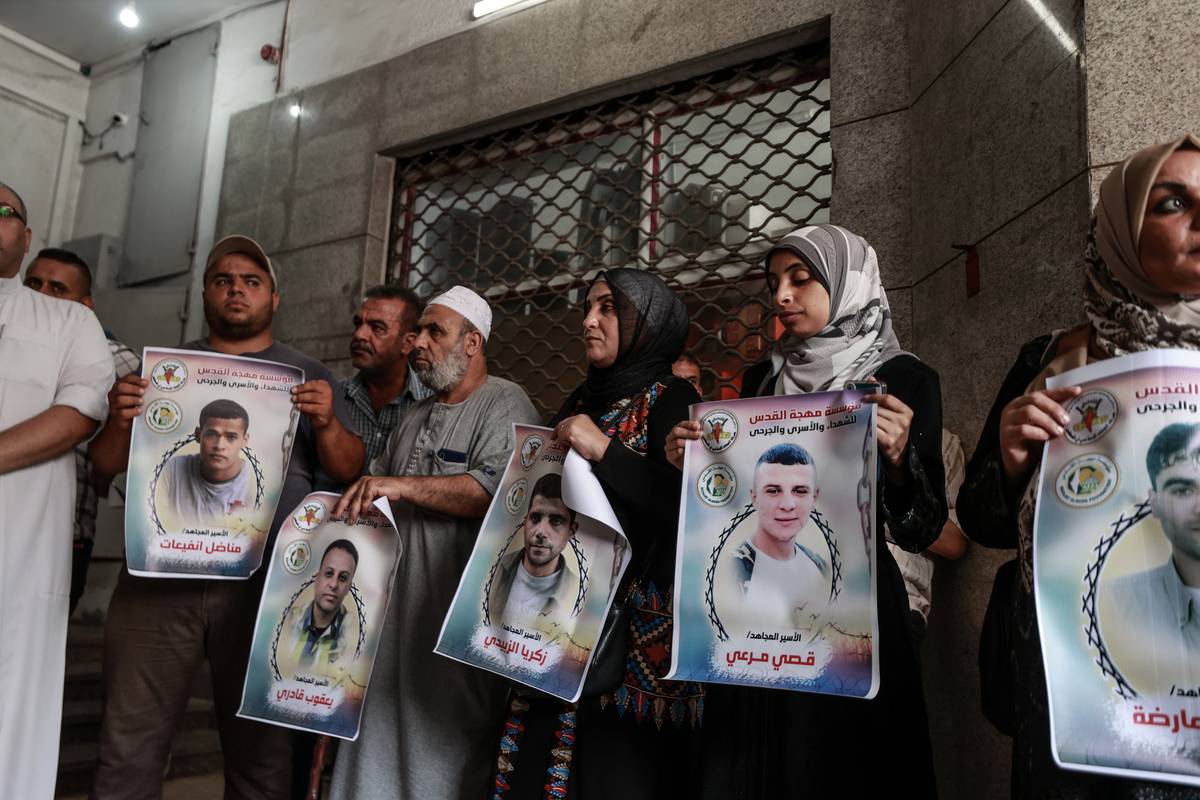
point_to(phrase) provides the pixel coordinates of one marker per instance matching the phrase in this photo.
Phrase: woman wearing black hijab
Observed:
(634, 740)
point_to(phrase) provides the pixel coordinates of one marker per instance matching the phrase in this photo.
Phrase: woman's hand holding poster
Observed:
(322, 611)
(774, 572)
(207, 463)
(545, 568)
(1116, 556)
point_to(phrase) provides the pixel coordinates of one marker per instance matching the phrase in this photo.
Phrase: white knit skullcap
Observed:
(473, 307)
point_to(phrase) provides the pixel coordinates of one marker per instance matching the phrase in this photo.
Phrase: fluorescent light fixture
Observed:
(485, 7)
(295, 110)
(1051, 22)
(129, 16)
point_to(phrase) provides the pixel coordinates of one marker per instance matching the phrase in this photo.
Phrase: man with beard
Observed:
(159, 631)
(385, 329)
(55, 369)
(429, 724)
(535, 587)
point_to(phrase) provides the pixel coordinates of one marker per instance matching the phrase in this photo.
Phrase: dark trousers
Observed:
(157, 634)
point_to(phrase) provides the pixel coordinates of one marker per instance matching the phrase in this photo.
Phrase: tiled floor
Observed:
(201, 787)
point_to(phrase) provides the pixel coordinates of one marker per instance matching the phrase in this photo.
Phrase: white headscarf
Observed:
(858, 337)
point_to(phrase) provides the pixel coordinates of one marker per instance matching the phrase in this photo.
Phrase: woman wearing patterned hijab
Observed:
(1142, 281)
(637, 738)
(837, 328)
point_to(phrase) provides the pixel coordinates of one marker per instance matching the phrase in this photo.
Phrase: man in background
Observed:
(385, 327)
(65, 275)
(688, 368)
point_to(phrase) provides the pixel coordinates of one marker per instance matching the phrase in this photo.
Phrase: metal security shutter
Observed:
(692, 180)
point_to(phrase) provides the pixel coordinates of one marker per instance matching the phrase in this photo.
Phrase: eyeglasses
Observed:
(7, 211)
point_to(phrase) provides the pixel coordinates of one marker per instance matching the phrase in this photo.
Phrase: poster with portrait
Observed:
(537, 588)
(775, 564)
(320, 618)
(1116, 558)
(207, 463)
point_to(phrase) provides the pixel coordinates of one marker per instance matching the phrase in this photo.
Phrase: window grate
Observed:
(692, 180)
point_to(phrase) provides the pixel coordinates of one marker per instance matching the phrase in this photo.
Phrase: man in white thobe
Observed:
(55, 372)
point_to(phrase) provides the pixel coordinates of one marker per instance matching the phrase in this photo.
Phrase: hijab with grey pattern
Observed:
(858, 338)
(1127, 310)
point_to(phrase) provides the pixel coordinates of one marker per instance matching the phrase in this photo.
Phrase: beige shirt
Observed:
(52, 353)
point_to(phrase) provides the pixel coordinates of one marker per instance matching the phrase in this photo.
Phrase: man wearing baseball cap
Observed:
(429, 724)
(159, 631)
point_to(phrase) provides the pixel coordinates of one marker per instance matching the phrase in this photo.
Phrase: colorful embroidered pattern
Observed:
(643, 689)
(627, 419)
(558, 774)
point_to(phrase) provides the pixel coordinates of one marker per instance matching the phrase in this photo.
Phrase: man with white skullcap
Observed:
(429, 724)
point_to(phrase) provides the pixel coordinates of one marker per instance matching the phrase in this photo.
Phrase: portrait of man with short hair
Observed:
(203, 488)
(777, 581)
(318, 629)
(536, 586)
(1159, 608)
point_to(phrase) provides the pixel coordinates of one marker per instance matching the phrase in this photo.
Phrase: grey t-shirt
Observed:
(304, 474)
(429, 723)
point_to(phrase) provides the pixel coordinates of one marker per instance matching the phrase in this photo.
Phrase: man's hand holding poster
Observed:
(322, 611)
(207, 463)
(545, 568)
(774, 574)
(1116, 556)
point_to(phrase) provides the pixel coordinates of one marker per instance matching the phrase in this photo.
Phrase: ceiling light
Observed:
(295, 110)
(485, 7)
(129, 16)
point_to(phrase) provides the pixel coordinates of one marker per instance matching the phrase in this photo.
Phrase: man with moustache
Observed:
(158, 631)
(63, 274)
(385, 328)
(55, 370)
(429, 724)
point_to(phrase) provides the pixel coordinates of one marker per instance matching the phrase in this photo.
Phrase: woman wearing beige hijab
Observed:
(1141, 292)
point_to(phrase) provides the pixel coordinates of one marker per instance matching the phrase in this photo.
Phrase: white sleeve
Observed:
(87, 367)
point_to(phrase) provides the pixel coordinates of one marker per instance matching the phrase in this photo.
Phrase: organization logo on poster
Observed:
(310, 515)
(163, 415)
(1091, 414)
(169, 374)
(718, 430)
(530, 449)
(1086, 480)
(296, 556)
(716, 485)
(514, 499)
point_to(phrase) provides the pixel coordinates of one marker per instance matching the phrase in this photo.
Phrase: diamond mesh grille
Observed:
(692, 180)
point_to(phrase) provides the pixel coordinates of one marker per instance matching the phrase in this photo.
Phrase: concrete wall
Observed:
(43, 97)
(313, 191)
(998, 161)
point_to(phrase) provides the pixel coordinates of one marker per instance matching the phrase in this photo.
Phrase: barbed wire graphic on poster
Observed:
(536, 591)
(1116, 557)
(207, 463)
(322, 611)
(774, 570)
